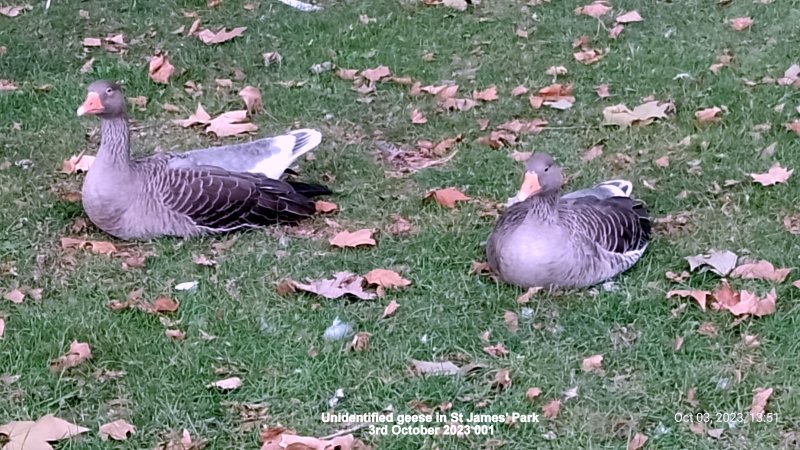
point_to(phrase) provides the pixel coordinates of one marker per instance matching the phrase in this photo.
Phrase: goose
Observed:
(199, 192)
(545, 239)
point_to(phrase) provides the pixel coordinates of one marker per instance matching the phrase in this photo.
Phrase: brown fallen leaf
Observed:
(342, 283)
(227, 384)
(741, 23)
(602, 91)
(502, 379)
(761, 270)
(447, 197)
(511, 320)
(230, 123)
(2, 326)
(592, 153)
(643, 114)
(715, 433)
(487, 95)
(164, 304)
(346, 74)
(159, 69)
(551, 409)
(498, 350)
(203, 260)
(97, 247)
(175, 335)
(390, 309)
(28, 435)
(759, 402)
(222, 35)
(751, 303)
(118, 430)
(78, 353)
(386, 279)
(707, 329)
(775, 175)
(793, 126)
(376, 74)
(357, 238)
(532, 393)
(638, 440)
(200, 116)
(796, 283)
(519, 90)
(418, 118)
(596, 9)
(678, 343)
(14, 296)
(526, 297)
(629, 17)
(252, 98)
(708, 115)
(77, 163)
(360, 342)
(662, 161)
(280, 439)
(92, 42)
(321, 206)
(14, 11)
(588, 56)
(750, 341)
(699, 296)
(593, 364)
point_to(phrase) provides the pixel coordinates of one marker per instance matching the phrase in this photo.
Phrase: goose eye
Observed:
(109, 91)
(547, 168)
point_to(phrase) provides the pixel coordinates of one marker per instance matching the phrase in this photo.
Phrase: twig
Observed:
(350, 430)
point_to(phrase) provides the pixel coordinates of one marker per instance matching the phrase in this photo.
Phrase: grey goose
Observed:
(204, 191)
(545, 239)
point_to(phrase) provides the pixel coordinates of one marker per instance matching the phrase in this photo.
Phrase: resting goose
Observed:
(571, 241)
(204, 191)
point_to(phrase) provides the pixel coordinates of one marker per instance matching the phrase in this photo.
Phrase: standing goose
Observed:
(572, 241)
(199, 192)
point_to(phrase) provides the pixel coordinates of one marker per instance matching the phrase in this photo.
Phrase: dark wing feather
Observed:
(617, 224)
(217, 199)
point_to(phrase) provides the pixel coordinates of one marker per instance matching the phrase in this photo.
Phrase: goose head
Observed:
(542, 174)
(103, 99)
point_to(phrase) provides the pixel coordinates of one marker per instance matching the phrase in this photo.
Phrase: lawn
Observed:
(275, 343)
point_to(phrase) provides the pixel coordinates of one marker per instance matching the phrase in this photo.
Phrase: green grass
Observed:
(645, 381)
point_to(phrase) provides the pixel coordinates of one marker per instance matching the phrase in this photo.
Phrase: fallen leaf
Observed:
(321, 206)
(588, 56)
(227, 384)
(750, 303)
(6, 85)
(14, 296)
(602, 91)
(360, 342)
(526, 297)
(286, 287)
(741, 23)
(346, 74)
(555, 71)
(343, 283)
(460, 5)
(775, 175)
(252, 98)
(222, 35)
(434, 368)
(638, 440)
(662, 162)
(593, 364)
(519, 90)
(794, 126)
(418, 118)
(750, 341)
(502, 379)
(164, 304)
(761, 270)
(118, 430)
(159, 69)
(630, 17)
(376, 74)
(203, 260)
(720, 262)
(77, 163)
(535, 101)
(521, 156)
(759, 402)
(28, 435)
(175, 335)
(715, 433)
(699, 296)
(521, 33)
(724, 296)
(708, 115)
(678, 343)
(390, 309)
(551, 409)
(532, 393)
(92, 42)
(487, 95)
(511, 320)
(447, 197)
(347, 239)
(78, 353)
(596, 9)
(400, 225)
(498, 350)
(592, 153)
(386, 279)
(200, 116)
(2, 326)
(643, 114)
(279, 439)
(707, 329)
(230, 123)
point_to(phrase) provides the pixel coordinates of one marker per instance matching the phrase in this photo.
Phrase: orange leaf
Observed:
(222, 35)
(159, 69)
(78, 353)
(377, 73)
(164, 304)
(200, 116)
(761, 270)
(230, 123)
(588, 56)
(321, 206)
(386, 278)
(447, 197)
(347, 239)
(487, 95)
(118, 430)
(708, 115)
(699, 296)
(637, 441)
(614, 32)
(532, 393)
(390, 309)
(550, 410)
(77, 163)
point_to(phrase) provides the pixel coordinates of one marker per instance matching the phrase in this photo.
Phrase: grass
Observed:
(275, 343)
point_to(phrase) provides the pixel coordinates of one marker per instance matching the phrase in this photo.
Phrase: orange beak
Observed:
(91, 105)
(530, 186)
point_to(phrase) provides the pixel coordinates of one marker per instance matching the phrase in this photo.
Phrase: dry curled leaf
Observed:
(699, 296)
(519, 90)
(97, 247)
(252, 98)
(511, 320)
(357, 238)
(593, 153)
(596, 9)
(629, 17)
(759, 402)
(230, 123)
(386, 279)
(29, 435)
(434, 368)
(720, 262)
(360, 342)
(77, 163)
(708, 115)
(15, 296)
(741, 23)
(78, 353)
(643, 114)
(593, 364)
(159, 69)
(175, 335)
(227, 384)
(390, 309)
(118, 430)
(222, 35)
(418, 118)
(637, 441)
(447, 197)
(761, 270)
(342, 283)
(498, 350)
(321, 206)
(377, 73)
(532, 393)
(487, 95)
(588, 56)
(551, 409)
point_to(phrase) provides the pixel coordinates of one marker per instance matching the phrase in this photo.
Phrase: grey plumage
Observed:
(204, 191)
(575, 240)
